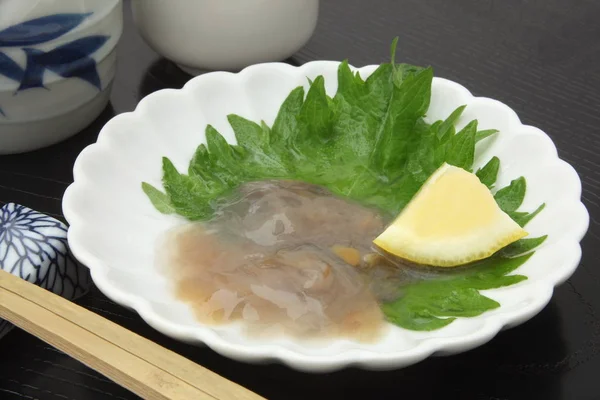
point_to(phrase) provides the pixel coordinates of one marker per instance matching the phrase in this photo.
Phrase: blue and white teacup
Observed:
(57, 64)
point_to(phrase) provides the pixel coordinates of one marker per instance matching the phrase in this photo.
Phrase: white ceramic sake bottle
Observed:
(202, 35)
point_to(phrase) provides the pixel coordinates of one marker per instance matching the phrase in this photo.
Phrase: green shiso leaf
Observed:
(489, 172)
(523, 218)
(511, 197)
(522, 246)
(429, 305)
(485, 134)
(160, 200)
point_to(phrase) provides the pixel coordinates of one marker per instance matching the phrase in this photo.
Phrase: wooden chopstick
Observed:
(138, 364)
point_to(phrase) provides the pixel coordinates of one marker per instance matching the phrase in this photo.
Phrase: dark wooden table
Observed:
(541, 57)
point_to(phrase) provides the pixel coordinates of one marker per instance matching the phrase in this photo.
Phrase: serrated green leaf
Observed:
(225, 161)
(285, 126)
(359, 111)
(315, 116)
(249, 134)
(461, 152)
(218, 148)
(489, 172)
(186, 194)
(200, 163)
(393, 47)
(159, 200)
(423, 305)
(492, 272)
(255, 139)
(408, 104)
(445, 130)
(266, 129)
(511, 197)
(522, 246)
(523, 218)
(485, 134)
(401, 315)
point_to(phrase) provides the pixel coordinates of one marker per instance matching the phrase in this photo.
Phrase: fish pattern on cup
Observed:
(33, 246)
(70, 60)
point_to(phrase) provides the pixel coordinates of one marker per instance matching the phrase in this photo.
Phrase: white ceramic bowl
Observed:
(57, 65)
(226, 34)
(114, 228)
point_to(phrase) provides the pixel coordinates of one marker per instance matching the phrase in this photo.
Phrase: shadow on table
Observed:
(38, 179)
(164, 74)
(532, 353)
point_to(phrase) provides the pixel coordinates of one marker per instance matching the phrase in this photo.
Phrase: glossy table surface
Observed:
(541, 57)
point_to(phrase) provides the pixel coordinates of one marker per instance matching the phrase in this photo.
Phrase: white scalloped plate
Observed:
(114, 227)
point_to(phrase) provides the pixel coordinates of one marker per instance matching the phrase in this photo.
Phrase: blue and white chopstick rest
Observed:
(33, 246)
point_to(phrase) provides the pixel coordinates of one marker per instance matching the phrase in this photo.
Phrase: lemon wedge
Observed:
(452, 220)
